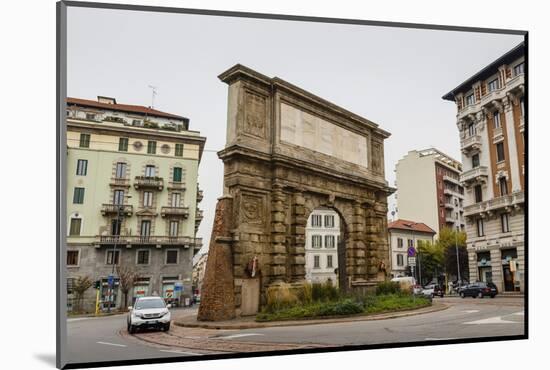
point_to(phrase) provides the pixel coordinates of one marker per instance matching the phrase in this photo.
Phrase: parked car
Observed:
(433, 290)
(407, 283)
(149, 312)
(479, 289)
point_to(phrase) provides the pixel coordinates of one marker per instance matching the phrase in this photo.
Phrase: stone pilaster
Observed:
(278, 236)
(356, 252)
(298, 241)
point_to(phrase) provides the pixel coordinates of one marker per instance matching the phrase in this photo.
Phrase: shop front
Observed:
(484, 268)
(510, 274)
(141, 289)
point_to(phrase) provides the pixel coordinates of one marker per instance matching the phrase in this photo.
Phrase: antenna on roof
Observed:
(153, 93)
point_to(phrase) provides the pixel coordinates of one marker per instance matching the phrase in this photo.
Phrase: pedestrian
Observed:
(450, 287)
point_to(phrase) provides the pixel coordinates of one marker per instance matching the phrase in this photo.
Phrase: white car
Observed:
(148, 312)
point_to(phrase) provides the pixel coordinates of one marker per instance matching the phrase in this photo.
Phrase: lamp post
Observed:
(457, 256)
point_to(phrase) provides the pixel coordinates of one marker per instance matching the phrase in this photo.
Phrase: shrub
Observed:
(325, 292)
(344, 307)
(304, 294)
(388, 287)
(280, 297)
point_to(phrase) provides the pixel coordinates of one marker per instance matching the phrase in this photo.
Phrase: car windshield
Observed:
(149, 303)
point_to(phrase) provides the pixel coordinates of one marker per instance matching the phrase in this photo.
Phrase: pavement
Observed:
(106, 338)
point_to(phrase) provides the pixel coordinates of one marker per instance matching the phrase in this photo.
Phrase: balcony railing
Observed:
(200, 195)
(478, 174)
(174, 211)
(108, 209)
(450, 191)
(451, 179)
(172, 185)
(510, 200)
(186, 241)
(147, 182)
(115, 181)
(471, 143)
(198, 215)
(449, 204)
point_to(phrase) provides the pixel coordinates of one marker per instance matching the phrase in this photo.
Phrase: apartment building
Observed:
(132, 196)
(491, 124)
(322, 239)
(429, 189)
(402, 235)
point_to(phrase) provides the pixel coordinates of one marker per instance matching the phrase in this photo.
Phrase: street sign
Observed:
(411, 252)
(412, 261)
(110, 279)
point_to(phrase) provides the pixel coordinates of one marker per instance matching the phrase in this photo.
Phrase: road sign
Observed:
(412, 261)
(411, 252)
(110, 279)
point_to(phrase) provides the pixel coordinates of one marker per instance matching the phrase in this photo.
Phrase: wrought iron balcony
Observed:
(470, 144)
(174, 211)
(149, 182)
(475, 175)
(109, 209)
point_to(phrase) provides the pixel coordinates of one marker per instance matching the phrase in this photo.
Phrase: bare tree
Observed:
(81, 285)
(127, 278)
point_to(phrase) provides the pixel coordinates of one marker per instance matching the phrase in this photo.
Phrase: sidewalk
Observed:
(248, 322)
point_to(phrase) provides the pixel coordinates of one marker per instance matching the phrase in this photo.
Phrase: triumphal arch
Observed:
(287, 153)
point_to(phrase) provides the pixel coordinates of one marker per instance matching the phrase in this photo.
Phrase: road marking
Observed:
(195, 337)
(78, 319)
(182, 353)
(238, 336)
(113, 344)
(521, 313)
(491, 320)
(470, 311)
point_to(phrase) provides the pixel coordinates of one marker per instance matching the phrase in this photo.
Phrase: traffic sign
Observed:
(412, 261)
(411, 252)
(110, 279)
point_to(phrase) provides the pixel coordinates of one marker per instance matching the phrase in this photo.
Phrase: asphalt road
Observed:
(100, 339)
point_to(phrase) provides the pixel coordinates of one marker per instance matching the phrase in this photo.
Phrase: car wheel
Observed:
(492, 296)
(480, 295)
(462, 295)
(131, 329)
(167, 327)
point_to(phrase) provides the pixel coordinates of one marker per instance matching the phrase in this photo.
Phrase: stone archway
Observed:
(288, 152)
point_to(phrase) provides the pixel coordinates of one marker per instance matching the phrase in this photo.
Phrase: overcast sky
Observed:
(395, 77)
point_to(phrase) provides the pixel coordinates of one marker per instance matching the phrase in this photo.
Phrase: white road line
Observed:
(521, 313)
(182, 353)
(491, 320)
(470, 311)
(238, 336)
(113, 344)
(195, 337)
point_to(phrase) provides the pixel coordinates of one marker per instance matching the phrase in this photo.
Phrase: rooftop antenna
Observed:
(153, 93)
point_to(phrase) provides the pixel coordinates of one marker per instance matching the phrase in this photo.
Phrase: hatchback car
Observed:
(479, 290)
(149, 312)
(433, 290)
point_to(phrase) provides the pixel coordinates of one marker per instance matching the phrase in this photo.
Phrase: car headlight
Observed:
(137, 314)
(162, 314)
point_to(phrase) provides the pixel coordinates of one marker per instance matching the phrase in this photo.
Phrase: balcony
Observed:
(491, 96)
(198, 216)
(471, 144)
(182, 212)
(456, 193)
(158, 241)
(510, 201)
(172, 185)
(468, 110)
(475, 175)
(451, 180)
(449, 204)
(120, 182)
(146, 182)
(450, 219)
(110, 209)
(199, 195)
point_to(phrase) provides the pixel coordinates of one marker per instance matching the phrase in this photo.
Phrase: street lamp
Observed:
(119, 218)
(457, 256)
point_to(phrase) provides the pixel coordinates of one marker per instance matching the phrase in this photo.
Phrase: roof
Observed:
(488, 71)
(123, 107)
(411, 226)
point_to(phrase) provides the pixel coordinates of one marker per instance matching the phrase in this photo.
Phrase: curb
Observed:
(380, 316)
(98, 316)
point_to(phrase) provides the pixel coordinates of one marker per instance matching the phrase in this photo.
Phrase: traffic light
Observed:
(97, 284)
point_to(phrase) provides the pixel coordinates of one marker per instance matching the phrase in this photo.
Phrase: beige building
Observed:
(402, 235)
(322, 238)
(429, 189)
(132, 196)
(491, 123)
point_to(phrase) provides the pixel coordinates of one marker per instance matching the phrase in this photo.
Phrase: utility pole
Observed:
(457, 256)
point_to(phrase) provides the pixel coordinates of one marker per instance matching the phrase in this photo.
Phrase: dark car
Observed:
(479, 289)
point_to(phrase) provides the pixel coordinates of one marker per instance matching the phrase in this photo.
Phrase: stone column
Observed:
(217, 297)
(357, 251)
(298, 231)
(278, 236)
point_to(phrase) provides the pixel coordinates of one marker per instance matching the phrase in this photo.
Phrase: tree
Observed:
(449, 240)
(127, 278)
(81, 285)
(430, 257)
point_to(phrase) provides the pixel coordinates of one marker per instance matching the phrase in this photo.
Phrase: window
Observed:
(492, 85)
(480, 231)
(316, 221)
(470, 99)
(115, 226)
(151, 147)
(78, 196)
(82, 167)
(329, 221)
(120, 172)
(123, 144)
(176, 198)
(316, 262)
(522, 107)
(149, 171)
(75, 226)
(145, 229)
(84, 140)
(143, 257)
(410, 243)
(478, 193)
(503, 186)
(399, 243)
(329, 261)
(505, 222)
(171, 257)
(136, 122)
(316, 241)
(500, 152)
(475, 160)
(90, 116)
(399, 260)
(174, 226)
(72, 258)
(177, 174)
(471, 129)
(519, 69)
(178, 150)
(110, 254)
(118, 197)
(329, 241)
(147, 198)
(496, 119)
